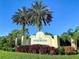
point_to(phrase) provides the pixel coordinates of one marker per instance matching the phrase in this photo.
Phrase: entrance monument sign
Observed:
(41, 38)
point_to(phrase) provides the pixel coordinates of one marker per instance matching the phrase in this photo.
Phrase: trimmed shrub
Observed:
(52, 50)
(24, 48)
(60, 51)
(42, 49)
(69, 50)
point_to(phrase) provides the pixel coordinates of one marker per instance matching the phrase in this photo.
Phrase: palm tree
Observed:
(21, 18)
(39, 14)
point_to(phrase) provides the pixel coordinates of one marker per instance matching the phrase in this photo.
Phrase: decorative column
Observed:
(16, 42)
(22, 40)
(56, 42)
(73, 44)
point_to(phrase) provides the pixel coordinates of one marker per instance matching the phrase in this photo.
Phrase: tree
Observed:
(13, 35)
(77, 29)
(21, 17)
(39, 14)
(46, 33)
(66, 37)
(70, 32)
(3, 41)
(76, 35)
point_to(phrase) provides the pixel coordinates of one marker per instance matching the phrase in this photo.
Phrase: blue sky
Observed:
(65, 13)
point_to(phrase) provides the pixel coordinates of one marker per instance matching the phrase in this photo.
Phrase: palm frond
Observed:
(40, 14)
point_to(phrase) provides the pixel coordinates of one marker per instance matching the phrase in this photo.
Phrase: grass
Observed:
(17, 55)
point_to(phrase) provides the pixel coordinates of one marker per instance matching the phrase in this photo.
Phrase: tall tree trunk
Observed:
(38, 29)
(39, 24)
(23, 29)
(23, 34)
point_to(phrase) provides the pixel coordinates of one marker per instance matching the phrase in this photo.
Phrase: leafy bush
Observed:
(7, 49)
(60, 51)
(78, 51)
(42, 49)
(69, 50)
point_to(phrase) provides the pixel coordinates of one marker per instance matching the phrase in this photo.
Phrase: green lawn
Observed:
(15, 55)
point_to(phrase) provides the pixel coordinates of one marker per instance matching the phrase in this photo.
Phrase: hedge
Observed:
(42, 49)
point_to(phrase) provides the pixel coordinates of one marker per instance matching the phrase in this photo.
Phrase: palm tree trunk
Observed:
(23, 33)
(38, 29)
(23, 29)
(39, 22)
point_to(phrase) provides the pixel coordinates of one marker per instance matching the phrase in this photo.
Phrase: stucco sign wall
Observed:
(41, 38)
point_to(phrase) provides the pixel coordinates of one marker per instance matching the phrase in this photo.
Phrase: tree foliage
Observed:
(21, 18)
(39, 14)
